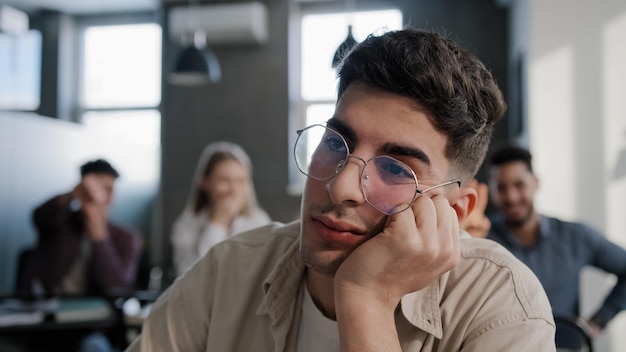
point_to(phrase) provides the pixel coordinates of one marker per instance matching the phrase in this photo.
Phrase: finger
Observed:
(447, 222)
(425, 215)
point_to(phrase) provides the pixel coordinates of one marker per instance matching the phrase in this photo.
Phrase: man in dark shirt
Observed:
(554, 249)
(80, 252)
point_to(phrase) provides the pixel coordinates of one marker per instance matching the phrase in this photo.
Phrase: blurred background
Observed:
(86, 79)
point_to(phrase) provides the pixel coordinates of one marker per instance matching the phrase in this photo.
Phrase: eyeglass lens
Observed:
(321, 153)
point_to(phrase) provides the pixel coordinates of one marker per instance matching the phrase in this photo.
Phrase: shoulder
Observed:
(273, 236)
(57, 201)
(503, 279)
(242, 260)
(254, 251)
(487, 250)
(259, 214)
(256, 217)
(556, 226)
(188, 218)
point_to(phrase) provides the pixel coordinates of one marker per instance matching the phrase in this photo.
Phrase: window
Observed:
(321, 35)
(20, 70)
(118, 101)
(121, 66)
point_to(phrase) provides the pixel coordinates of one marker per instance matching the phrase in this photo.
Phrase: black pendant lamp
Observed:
(349, 42)
(196, 63)
(344, 48)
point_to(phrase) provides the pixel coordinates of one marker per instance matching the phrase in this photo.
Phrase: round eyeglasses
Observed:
(388, 184)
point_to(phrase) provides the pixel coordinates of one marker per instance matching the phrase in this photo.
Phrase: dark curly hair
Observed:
(455, 88)
(511, 154)
(99, 166)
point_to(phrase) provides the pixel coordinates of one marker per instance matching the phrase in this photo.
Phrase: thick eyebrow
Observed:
(387, 148)
(399, 150)
(343, 129)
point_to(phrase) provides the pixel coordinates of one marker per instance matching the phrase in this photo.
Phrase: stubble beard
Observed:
(318, 259)
(523, 221)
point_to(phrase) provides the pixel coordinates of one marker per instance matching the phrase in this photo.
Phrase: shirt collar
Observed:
(544, 226)
(282, 284)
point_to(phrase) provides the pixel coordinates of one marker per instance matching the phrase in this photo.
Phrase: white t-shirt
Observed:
(316, 332)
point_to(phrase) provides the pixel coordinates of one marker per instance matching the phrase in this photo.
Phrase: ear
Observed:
(465, 203)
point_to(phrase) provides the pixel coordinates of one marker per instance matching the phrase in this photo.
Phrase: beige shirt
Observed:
(245, 295)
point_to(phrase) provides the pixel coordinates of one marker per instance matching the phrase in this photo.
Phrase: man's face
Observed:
(99, 187)
(512, 189)
(228, 180)
(335, 216)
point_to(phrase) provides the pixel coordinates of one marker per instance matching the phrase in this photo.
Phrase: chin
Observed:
(323, 261)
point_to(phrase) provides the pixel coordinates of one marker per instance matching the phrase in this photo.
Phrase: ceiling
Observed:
(83, 7)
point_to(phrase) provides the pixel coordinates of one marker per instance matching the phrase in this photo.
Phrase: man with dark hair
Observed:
(377, 261)
(80, 251)
(554, 249)
(99, 166)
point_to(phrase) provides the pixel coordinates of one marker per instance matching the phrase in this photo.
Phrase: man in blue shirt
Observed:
(555, 250)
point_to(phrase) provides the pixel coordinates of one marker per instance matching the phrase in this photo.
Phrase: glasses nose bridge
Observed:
(342, 164)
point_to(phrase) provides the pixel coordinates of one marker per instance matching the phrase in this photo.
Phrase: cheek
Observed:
(527, 195)
(109, 197)
(243, 187)
(218, 188)
(313, 190)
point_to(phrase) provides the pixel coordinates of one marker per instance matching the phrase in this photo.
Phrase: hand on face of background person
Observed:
(477, 223)
(226, 207)
(95, 198)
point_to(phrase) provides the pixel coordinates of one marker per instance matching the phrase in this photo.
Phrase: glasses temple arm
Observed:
(457, 181)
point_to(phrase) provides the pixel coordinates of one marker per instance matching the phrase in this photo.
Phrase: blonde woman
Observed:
(222, 203)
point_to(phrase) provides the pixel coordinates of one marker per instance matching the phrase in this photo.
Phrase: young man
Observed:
(376, 262)
(79, 250)
(555, 250)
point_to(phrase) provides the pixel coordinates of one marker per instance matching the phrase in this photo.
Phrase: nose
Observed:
(346, 185)
(508, 195)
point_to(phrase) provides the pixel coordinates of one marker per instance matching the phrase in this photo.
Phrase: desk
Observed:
(136, 309)
(50, 322)
(56, 323)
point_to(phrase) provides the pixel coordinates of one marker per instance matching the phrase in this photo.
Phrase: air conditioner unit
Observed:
(13, 20)
(223, 24)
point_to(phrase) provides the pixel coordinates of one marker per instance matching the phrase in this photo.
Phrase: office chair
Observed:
(571, 337)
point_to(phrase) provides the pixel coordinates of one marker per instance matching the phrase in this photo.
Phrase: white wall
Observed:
(576, 66)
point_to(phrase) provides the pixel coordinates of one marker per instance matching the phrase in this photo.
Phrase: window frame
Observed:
(84, 22)
(298, 106)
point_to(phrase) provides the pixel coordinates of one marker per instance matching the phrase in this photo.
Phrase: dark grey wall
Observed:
(250, 105)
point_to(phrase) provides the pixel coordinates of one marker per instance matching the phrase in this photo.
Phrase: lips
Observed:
(335, 232)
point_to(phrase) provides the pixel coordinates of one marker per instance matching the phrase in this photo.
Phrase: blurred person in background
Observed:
(80, 251)
(554, 249)
(222, 202)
